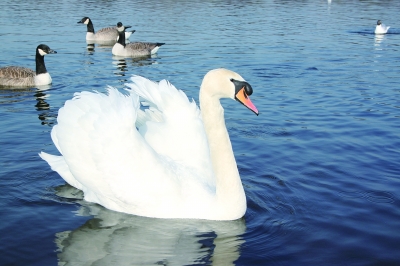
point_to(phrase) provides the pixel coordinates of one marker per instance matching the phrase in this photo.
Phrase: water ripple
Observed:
(319, 164)
(373, 196)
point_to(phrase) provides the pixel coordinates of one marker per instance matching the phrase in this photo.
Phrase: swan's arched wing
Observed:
(94, 138)
(116, 166)
(174, 127)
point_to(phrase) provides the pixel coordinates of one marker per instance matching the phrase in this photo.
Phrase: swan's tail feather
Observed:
(58, 164)
(54, 138)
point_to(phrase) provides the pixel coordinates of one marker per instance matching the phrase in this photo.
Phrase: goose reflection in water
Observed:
(45, 114)
(15, 95)
(121, 64)
(90, 45)
(122, 67)
(112, 238)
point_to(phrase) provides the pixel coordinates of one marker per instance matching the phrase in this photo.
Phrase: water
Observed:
(320, 165)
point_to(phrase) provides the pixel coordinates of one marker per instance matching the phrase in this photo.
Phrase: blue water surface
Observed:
(320, 164)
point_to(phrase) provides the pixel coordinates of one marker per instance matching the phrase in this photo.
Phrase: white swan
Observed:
(381, 28)
(134, 49)
(16, 76)
(108, 34)
(169, 161)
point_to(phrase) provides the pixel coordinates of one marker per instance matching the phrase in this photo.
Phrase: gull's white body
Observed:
(381, 28)
(169, 161)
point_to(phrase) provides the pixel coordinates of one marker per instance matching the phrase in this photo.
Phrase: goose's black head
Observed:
(84, 20)
(43, 49)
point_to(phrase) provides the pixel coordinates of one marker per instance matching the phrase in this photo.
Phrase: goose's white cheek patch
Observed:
(41, 52)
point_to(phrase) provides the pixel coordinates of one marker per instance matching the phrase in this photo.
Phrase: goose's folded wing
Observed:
(108, 29)
(16, 72)
(142, 45)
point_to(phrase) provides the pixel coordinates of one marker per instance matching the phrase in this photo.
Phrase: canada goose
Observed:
(16, 76)
(105, 34)
(172, 160)
(135, 48)
(381, 28)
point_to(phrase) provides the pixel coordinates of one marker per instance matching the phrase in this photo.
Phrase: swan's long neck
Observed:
(229, 187)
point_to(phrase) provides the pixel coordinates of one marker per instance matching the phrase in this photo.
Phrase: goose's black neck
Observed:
(40, 67)
(90, 27)
(121, 38)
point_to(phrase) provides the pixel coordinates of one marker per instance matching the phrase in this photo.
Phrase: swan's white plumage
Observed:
(165, 123)
(154, 162)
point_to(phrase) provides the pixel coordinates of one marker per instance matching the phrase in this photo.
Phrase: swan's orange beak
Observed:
(242, 97)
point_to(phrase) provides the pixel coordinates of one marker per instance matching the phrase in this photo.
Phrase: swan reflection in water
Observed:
(113, 238)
